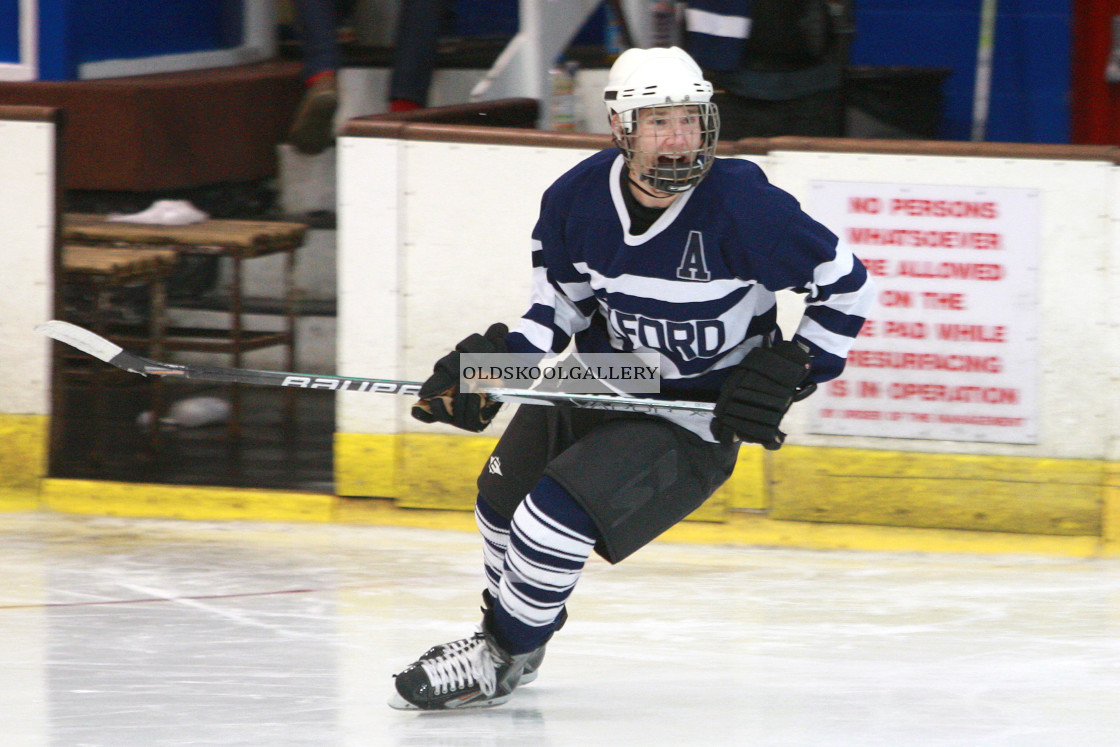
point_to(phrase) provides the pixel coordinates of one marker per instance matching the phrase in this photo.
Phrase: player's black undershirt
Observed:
(641, 217)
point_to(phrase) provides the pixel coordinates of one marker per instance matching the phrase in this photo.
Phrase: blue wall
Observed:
(75, 31)
(9, 31)
(1031, 74)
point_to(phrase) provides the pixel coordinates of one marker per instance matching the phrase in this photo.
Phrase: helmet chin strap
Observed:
(643, 190)
(668, 176)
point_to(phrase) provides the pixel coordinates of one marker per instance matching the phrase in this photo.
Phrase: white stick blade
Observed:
(80, 338)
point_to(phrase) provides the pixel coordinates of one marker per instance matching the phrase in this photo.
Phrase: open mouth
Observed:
(674, 162)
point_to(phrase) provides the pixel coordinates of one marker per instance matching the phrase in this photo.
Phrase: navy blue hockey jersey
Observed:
(698, 286)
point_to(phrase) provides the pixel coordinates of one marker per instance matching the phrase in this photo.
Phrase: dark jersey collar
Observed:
(641, 217)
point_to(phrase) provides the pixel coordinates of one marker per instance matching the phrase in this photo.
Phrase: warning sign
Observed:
(950, 350)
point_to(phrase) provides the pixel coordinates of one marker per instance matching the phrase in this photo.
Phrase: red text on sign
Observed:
(950, 301)
(917, 208)
(972, 332)
(925, 361)
(924, 239)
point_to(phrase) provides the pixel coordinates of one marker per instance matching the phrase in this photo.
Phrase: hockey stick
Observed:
(113, 354)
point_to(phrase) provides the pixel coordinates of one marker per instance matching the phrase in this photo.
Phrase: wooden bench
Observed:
(118, 265)
(239, 240)
(104, 270)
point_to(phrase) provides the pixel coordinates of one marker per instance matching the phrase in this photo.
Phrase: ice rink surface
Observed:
(124, 632)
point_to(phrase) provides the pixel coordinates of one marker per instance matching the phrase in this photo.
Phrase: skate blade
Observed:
(398, 703)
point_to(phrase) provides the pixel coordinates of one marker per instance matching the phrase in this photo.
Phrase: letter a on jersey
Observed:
(694, 266)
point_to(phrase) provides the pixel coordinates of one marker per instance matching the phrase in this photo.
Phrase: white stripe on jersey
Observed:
(575, 291)
(856, 303)
(670, 291)
(736, 319)
(840, 266)
(566, 315)
(714, 24)
(538, 335)
(830, 342)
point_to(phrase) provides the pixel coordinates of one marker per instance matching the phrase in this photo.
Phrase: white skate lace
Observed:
(469, 663)
(450, 648)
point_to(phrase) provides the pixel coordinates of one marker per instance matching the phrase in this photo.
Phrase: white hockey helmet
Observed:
(660, 77)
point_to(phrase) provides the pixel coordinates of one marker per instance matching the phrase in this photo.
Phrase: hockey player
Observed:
(654, 246)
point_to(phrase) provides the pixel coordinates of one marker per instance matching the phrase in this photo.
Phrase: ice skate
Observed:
(473, 672)
(532, 664)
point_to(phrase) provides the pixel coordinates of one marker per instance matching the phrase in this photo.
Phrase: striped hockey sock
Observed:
(550, 540)
(495, 535)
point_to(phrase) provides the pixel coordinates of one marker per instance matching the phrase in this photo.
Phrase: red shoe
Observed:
(404, 105)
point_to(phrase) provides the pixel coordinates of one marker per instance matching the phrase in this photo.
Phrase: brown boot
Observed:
(313, 128)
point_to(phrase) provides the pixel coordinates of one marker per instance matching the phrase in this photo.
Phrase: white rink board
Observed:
(369, 289)
(27, 203)
(434, 245)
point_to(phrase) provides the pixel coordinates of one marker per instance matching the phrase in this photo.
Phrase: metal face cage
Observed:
(670, 147)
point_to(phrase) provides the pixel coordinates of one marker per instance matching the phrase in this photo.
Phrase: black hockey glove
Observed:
(440, 398)
(759, 392)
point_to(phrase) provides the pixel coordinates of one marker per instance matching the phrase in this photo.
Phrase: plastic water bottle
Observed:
(562, 99)
(192, 412)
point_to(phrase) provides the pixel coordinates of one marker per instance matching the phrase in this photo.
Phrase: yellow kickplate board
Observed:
(944, 491)
(23, 460)
(1066, 497)
(102, 498)
(439, 471)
